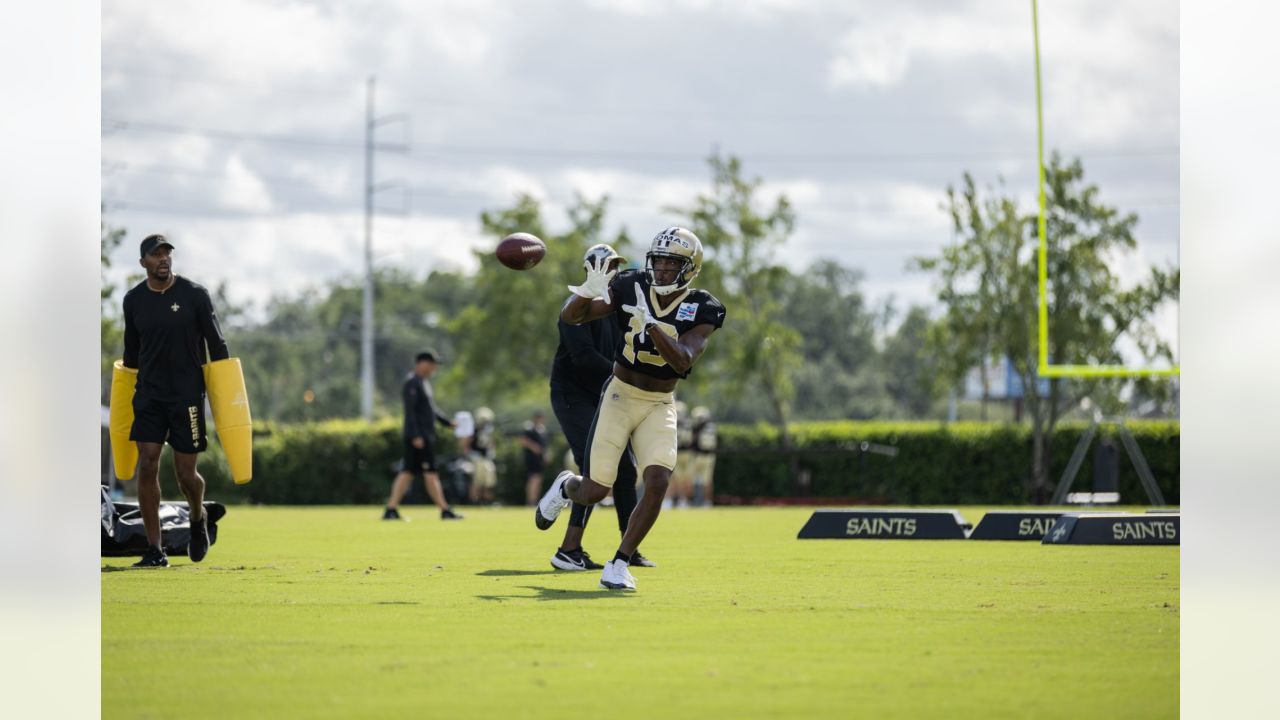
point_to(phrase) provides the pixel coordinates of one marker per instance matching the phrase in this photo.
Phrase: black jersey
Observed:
(165, 334)
(420, 409)
(687, 308)
(584, 358)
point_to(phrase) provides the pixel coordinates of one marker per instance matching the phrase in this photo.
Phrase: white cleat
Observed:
(616, 576)
(549, 507)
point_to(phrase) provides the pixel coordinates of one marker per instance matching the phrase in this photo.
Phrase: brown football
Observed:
(520, 251)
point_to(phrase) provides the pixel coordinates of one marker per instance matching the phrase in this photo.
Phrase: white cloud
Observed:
(242, 189)
(581, 76)
(241, 38)
(1105, 66)
(880, 48)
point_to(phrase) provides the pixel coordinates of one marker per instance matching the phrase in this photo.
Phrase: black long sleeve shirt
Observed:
(584, 359)
(165, 338)
(420, 409)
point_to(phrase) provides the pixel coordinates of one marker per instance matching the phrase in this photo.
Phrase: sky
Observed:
(237, 127)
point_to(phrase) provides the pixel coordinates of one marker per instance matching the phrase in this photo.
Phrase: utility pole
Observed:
(366, 317)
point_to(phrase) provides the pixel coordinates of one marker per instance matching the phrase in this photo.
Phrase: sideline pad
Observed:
(1015, 525)
(884, 524)
(1115, 529)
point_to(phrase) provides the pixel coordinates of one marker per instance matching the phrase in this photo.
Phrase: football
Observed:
(520, 251)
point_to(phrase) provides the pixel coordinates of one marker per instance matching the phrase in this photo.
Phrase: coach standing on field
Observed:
(420, 416)
(168, 322)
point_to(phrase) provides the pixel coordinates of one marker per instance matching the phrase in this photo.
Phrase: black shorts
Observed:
(419, 460)
(180, 423)
(533, 464)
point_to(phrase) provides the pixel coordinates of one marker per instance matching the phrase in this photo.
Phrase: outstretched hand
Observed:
(597, 283)
(641, 310)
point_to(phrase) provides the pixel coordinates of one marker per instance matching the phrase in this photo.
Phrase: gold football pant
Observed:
(703, 465)
(682, 474)
(628, 414)
(484, 473)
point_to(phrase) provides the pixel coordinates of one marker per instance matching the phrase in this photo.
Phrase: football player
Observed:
(582, 366)
(665, 325)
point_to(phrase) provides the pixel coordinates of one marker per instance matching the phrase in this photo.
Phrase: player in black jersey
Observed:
(168, 322)
(583, 365)
(666, 325)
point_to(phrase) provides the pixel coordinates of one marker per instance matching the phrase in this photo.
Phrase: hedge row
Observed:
(350, 461)
(956, 463)
(338, 462)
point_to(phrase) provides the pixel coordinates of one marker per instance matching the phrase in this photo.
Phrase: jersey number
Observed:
(632, 353)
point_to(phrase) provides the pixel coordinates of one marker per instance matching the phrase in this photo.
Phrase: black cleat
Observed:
(574, 560)
(198, 547)
(154, 557)
(540, 522)
(449, 514)
(638, 560)
(391, 514)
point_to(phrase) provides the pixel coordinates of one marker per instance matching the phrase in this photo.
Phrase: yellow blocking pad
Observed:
(124, 452)
(224, 381)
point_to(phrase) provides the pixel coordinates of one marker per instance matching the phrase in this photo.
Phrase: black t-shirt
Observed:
(420, 409)
(584, 359)
(536, 434)
(165, 334)
(687, 309)
(482, 441)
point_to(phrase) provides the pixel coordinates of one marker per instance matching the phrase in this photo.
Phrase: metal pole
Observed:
(366, 323)
(1073, 467)
(1140, 464)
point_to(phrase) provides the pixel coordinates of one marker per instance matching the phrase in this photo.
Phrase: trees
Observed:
(112, 333)
(302, 361)
(911, 368)
(507, 332)
(987, 283)
(764, 351)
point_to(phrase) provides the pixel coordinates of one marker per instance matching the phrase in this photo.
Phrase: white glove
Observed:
(596, 285)
(641, 310)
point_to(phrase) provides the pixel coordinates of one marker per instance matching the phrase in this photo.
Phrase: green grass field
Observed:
(331, 613)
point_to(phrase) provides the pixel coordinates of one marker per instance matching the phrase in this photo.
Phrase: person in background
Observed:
(480, 449)
(681, 489)
(534, 439)
(703, 455)
(420, 417)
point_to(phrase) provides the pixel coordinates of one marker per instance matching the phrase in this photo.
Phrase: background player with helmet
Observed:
(681, 490)
(702, 455)
(480, 449)
(666, 326)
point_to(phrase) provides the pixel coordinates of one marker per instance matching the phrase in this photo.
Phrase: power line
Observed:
(433, 152)
(537, 109)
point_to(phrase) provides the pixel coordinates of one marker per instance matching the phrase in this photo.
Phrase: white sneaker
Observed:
(616, 576)
(549, 507)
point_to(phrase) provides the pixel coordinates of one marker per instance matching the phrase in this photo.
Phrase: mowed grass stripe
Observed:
(330, 612)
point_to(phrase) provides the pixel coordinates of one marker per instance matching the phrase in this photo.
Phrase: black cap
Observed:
(151, 242)
(428, 356)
